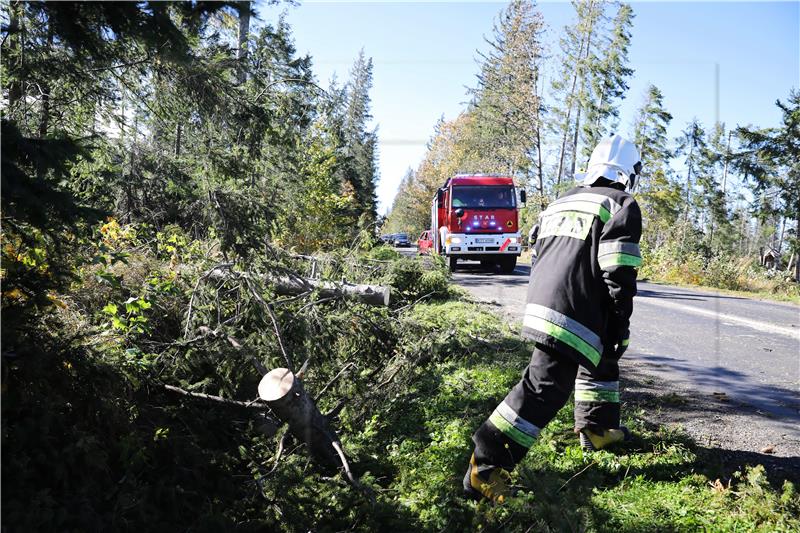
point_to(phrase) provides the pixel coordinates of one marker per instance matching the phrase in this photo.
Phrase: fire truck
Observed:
(475, 217)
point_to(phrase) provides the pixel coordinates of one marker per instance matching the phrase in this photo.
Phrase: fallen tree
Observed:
(283, 392)
(368, 294)
(295, 285)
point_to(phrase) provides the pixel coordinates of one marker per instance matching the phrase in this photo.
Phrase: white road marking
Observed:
(755, 324)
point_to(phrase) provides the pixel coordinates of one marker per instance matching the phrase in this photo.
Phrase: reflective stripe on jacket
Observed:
(580, 295)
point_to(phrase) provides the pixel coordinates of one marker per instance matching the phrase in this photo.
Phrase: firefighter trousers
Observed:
(504, 439)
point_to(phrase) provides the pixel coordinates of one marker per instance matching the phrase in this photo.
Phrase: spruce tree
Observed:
(571, 86)
(360, 142)
(770, 161)
(691, 146)
(608, 82)
(507, 104)
(710, 183)
(657, 192)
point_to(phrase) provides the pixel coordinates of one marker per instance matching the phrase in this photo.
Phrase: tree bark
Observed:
(539, 167)
(286, 398)
(797, 256)
(178, 132)
(564, 139)
(286, 286)
(569, 101)
(258, 406)
(44, 121)
(584, 70)
(369, 294)
(689, 183)
(244, 29)
(15, 43)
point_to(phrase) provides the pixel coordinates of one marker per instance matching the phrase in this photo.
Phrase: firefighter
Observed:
(579, 303)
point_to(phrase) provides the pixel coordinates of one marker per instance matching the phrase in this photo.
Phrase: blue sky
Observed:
(424, 56)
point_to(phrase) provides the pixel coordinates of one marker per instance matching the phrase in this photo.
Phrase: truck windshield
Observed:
(484, 196)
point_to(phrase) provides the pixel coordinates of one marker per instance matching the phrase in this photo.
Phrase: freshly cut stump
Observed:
(288, 400)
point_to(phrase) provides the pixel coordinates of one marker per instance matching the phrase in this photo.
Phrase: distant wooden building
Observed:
(770, 258)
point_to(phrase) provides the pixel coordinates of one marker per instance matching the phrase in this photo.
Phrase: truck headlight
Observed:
(455, 240)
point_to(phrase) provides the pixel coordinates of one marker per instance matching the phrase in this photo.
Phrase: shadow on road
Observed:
(473, 275)
(661, 407)
(646, 293)
(671, 295)
(776, 401)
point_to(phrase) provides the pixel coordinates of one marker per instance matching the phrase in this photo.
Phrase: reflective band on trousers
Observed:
(589, 384)
(565, 329)
(596, 391)
(514, 426)
(611, 206)
(596, 396)
(619, 253)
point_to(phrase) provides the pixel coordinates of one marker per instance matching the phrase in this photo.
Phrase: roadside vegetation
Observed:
(724, 271)
(719, 201)
(94, 439)
(164, 164)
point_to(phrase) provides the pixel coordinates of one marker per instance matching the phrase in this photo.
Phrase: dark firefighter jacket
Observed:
(580, 295)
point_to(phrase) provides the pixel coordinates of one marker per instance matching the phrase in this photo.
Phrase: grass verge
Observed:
(92, 442)
(661, 481)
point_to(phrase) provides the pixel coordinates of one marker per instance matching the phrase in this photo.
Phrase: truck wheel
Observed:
(452, 262)
(508, 264)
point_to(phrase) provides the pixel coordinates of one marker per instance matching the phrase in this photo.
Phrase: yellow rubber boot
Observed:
(494, 487)
(591, 441)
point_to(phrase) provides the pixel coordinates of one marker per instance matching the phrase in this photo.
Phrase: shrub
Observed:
(724, 271)
(383, 253)
(435, 283)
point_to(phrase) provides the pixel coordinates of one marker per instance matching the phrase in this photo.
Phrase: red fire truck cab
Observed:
(475, 217)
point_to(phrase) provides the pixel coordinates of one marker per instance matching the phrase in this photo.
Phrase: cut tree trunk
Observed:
(369, 294)
(287, 399)
(286, 286)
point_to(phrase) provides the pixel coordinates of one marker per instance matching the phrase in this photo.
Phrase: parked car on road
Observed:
(401, 239)
(425, 243)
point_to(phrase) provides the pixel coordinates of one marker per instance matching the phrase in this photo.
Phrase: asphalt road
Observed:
(726, 367)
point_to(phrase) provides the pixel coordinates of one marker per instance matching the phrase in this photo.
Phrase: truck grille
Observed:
(492, 248)
(475, 248)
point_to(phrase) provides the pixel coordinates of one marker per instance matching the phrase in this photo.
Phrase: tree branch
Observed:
(259, 405)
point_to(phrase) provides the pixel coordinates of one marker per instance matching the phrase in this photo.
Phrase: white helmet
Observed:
(615, 159)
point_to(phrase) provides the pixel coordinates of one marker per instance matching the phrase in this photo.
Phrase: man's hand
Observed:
(622, 345)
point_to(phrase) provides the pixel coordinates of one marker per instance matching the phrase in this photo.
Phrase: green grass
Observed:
(88, 448)
(658, 482)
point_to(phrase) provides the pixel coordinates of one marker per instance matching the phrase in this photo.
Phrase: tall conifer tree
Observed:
(507, 102)
(360, 143)
(608, 82)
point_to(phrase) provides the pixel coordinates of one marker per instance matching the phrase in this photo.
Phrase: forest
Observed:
(715, 200)
(169, 167)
